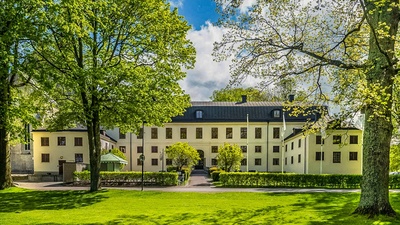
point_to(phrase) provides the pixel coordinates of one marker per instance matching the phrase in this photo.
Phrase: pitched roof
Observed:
(237, 112)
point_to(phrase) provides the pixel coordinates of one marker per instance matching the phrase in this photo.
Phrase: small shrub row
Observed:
(129, 178)
(215, 175)
(236, 179)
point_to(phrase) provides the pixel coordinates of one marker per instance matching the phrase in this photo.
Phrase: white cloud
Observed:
(207, 75)
(176, 3)
(244, 7)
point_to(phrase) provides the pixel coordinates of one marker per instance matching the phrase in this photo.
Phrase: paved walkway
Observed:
(198, 182)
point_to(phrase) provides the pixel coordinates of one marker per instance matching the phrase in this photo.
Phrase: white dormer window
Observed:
(277, 113)
(199, 114)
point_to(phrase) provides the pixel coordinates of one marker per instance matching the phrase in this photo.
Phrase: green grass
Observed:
(18, 206)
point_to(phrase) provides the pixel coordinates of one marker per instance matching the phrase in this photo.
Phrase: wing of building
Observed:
(271, 139)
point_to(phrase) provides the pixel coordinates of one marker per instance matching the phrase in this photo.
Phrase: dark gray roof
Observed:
(237, 112)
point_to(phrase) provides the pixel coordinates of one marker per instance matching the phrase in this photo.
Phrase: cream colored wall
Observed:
(56, 152)
(206, 143)
(296, 166)
(346, 166)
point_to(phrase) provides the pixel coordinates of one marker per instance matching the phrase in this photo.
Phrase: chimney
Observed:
(244, 98)
(291, 98)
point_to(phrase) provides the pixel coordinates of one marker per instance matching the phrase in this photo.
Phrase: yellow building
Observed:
(52, 149)
(257, 127)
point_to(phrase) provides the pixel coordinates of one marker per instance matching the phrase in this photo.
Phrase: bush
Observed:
(212, 169)
(171, 169)
(215, 175)
(129, 178)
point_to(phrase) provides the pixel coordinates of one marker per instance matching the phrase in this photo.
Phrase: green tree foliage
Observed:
(344, 51)
(182, 154)
(116, 152)
(113, 63)
(394, 158)
(18, 102)
(229, 157)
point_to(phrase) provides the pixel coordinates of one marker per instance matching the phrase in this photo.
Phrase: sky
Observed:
(207, 75)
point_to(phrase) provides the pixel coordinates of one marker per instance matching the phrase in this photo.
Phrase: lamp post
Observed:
(142, 158)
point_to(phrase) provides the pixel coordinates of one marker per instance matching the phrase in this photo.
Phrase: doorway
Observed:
(200, 164)
(61, 166)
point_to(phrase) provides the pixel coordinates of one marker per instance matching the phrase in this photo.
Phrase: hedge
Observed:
(238, 179)
(129, 178)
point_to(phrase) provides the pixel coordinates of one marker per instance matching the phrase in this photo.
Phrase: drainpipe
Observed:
(267, 142)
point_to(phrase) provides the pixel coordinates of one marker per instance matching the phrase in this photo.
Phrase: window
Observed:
(154, 162)
(122, 149)
(214, 133)
(275, 133)
(214, 162)
(258, 132)
(45, 157)
(275, 148)
(319, 140)
(318, 156)
(78, 141)
(353, 156)
(122, 135)
(183, 133)
(285, 148)
(229, 133)
(168, 133)
(277, 113)
(292, 145)
(140, 135)
(78, 157)
(244, 148)
(299, 158)
(168, 162)
(336, 157)
(154, 149)
(337, 139)
(139, 162)
(291, 160)
(285, 160)
(257, 149)
(243, 162)
(154, 133)
(353, 139)
(275, 161)
(61, 141)
(243, 133)
(27, 137)
(44, 141)
(299, 143)
(257, 162)
(139, 149)
(214, 149)
(199, 114)
(199, 133)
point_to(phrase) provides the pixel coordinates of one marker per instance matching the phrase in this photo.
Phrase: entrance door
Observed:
(200, 164)
(61, 167)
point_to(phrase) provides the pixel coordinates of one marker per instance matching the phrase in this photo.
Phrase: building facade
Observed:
(269, 137)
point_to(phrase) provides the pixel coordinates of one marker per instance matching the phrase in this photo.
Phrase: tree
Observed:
(229, 157)
(235, 95)
(182, 154)
(394, 158)
(344, 50)
(116, 152)
(17, 106)
(113, 63)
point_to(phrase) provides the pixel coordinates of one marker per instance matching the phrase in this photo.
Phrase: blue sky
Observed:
(207, 75)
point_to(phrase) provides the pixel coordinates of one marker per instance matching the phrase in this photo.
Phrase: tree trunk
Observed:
(378, 123)
(95, 151)
(5, 166)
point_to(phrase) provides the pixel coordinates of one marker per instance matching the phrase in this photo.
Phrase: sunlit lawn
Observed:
(18, 206)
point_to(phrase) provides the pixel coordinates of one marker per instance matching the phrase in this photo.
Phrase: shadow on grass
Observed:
(47, 200)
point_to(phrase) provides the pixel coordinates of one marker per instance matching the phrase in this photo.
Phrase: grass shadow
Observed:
(47, 200)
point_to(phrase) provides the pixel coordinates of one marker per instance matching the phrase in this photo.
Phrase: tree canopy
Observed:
(229, 157)
(344, 52)
(182, 154)
(112, 63)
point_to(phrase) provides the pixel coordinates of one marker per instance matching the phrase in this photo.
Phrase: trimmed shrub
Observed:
(129, 178)
(212, 169)
(215, 175)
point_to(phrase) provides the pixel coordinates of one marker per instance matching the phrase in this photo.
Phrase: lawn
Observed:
(19, 206)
